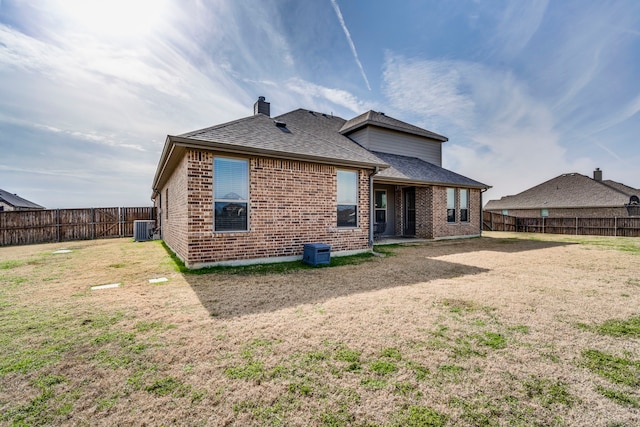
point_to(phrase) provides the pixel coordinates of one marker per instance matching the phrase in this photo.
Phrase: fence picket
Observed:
(61, 225)
(625, 227)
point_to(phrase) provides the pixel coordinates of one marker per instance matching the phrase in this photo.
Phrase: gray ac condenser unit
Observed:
(143, 230)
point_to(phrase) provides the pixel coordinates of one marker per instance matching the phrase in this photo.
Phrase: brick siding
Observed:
(291, 203)
(442, 228)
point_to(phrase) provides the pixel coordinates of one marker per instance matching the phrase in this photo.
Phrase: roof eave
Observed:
(177, 144)
(405, 181)
(358, 126)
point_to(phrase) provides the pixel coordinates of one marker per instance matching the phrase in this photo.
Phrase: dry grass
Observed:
(502, 330)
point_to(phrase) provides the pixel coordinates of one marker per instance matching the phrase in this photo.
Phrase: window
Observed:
(380, 200)
(544, 212)
(451, 205)
(231, 194)
(347, 199)
(464, 205)
(505, 211)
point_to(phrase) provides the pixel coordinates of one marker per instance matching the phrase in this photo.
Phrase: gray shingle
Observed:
(571, 190)
(17, 201)
(411, 169)
(300, 132)
(374, 118)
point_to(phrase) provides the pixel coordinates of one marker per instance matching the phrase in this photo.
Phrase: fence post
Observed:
(58, 225)
(615, 226)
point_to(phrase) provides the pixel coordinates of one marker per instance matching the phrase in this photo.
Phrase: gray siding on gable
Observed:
(388, 141)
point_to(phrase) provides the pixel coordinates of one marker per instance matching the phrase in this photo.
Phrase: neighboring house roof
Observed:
(373, 118)
(630, 191)
(17, 201)
(571, 190)
(412, 169)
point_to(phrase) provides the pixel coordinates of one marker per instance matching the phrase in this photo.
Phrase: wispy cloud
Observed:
(496, 127)
(334, 3)
(317, 95)
(518, 24)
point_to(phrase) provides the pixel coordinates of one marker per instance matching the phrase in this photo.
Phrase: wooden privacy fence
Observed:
(623, 227)
(62, 225)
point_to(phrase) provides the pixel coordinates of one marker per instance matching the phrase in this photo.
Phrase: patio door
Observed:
(409, 211)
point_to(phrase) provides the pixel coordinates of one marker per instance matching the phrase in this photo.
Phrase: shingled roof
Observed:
(571, 190)
(374, 118)
(17, 201)
(311, 136)
(300, 132)
(414, 170)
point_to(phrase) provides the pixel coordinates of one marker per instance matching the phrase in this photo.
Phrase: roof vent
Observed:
(282, 126)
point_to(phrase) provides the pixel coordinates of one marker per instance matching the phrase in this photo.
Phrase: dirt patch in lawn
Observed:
(504, 329)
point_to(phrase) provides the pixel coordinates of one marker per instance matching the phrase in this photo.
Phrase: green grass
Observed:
(549, 392)
(620, 397)
(419, 416)
(383, 367)
(271, 268)
(629, 328)
(619, 370)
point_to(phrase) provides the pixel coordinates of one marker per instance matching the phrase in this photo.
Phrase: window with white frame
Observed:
(347, 193)
(380, 199)
(451, 205)
(464, 205)
(230, 194)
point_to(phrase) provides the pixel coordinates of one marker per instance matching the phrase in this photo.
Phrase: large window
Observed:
(347, 199)
(464, 205)
(451, 205)
(231, 194)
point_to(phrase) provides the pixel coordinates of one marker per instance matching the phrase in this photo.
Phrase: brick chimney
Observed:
(262, 107)
(597, 175)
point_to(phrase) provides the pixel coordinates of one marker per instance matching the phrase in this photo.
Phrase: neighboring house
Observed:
(258, 188)
(571, 195)
(13, 202)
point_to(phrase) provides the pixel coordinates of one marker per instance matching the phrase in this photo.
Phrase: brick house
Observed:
(571, 195)
(257, 189)
(13, 202)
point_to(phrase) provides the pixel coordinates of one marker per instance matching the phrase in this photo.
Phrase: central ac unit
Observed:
(143, 230)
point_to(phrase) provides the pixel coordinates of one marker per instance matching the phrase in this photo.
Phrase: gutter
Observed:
(371, 205)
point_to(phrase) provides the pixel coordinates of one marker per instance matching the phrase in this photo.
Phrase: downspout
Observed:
(371, 205)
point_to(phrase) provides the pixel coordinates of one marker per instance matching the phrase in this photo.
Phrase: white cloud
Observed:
(318, 95)
(519, 23)
(334, 3)
(497, 129)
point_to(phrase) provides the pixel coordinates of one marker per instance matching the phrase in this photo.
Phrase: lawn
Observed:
(507, 329)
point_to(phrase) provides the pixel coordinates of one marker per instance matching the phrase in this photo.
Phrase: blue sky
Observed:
(524, 90)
